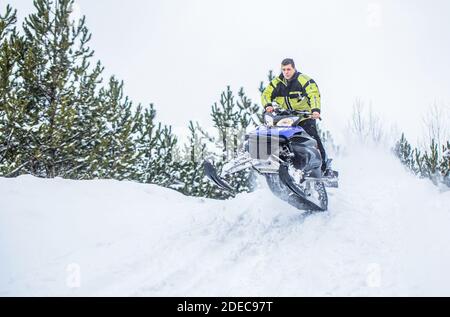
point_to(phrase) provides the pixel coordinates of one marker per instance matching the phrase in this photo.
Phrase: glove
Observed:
(268, 108)
(316, 114)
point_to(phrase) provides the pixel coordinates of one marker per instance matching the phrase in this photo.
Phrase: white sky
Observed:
(180, 54)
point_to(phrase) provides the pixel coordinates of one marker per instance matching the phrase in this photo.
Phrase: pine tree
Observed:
(115, 155)
(403, 151)
(270, 77)
(156, 145)
(52, 94)
(434, 164)
(191, 177)
(419, 163)
(231, 119)
(56, 119)
(444, 165)
(11, 110)
(163, 166)
(431, 161)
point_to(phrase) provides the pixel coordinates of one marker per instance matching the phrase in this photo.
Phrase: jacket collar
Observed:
(281, 77)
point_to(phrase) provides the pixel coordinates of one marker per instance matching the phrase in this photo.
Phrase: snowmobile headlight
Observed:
(285, 122)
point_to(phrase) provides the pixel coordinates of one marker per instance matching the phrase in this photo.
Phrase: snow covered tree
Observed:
(55, 119)
(431, 161)
(231, 119)
(403, 150)
(156, 145)
(162, 169)
(11, 109)
(430, 164)
(55, 89)
(191, 176)
(270, 77)
(444, 165)
(110, 150)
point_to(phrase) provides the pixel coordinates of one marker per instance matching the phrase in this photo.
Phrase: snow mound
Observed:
(386, 233)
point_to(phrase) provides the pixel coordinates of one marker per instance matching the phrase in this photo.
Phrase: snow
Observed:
(386, 233)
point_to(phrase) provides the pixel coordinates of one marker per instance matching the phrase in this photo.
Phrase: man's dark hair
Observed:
(288, 61)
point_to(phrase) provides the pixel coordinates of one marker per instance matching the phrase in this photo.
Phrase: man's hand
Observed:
(269, 109)
(315, 115)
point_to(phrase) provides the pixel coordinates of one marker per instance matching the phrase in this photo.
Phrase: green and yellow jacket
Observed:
(300, 93)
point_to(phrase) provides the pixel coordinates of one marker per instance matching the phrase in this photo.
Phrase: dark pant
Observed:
(310, 127)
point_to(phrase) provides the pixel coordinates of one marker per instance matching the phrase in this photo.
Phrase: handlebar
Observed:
(285, 112)
(291, 112)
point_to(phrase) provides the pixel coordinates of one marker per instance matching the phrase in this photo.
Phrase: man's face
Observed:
(288, 71)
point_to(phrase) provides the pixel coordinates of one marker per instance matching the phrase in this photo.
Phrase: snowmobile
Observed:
(287, 156)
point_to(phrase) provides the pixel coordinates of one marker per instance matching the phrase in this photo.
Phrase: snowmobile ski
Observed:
(211, 173)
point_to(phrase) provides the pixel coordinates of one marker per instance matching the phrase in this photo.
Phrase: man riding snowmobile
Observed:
(286, 148)
(292, 90)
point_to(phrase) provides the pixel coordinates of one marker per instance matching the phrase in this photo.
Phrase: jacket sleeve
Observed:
(312, 91)
(267, 95)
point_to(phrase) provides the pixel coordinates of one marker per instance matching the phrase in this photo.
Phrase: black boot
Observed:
(330, 173)
(327, 171)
